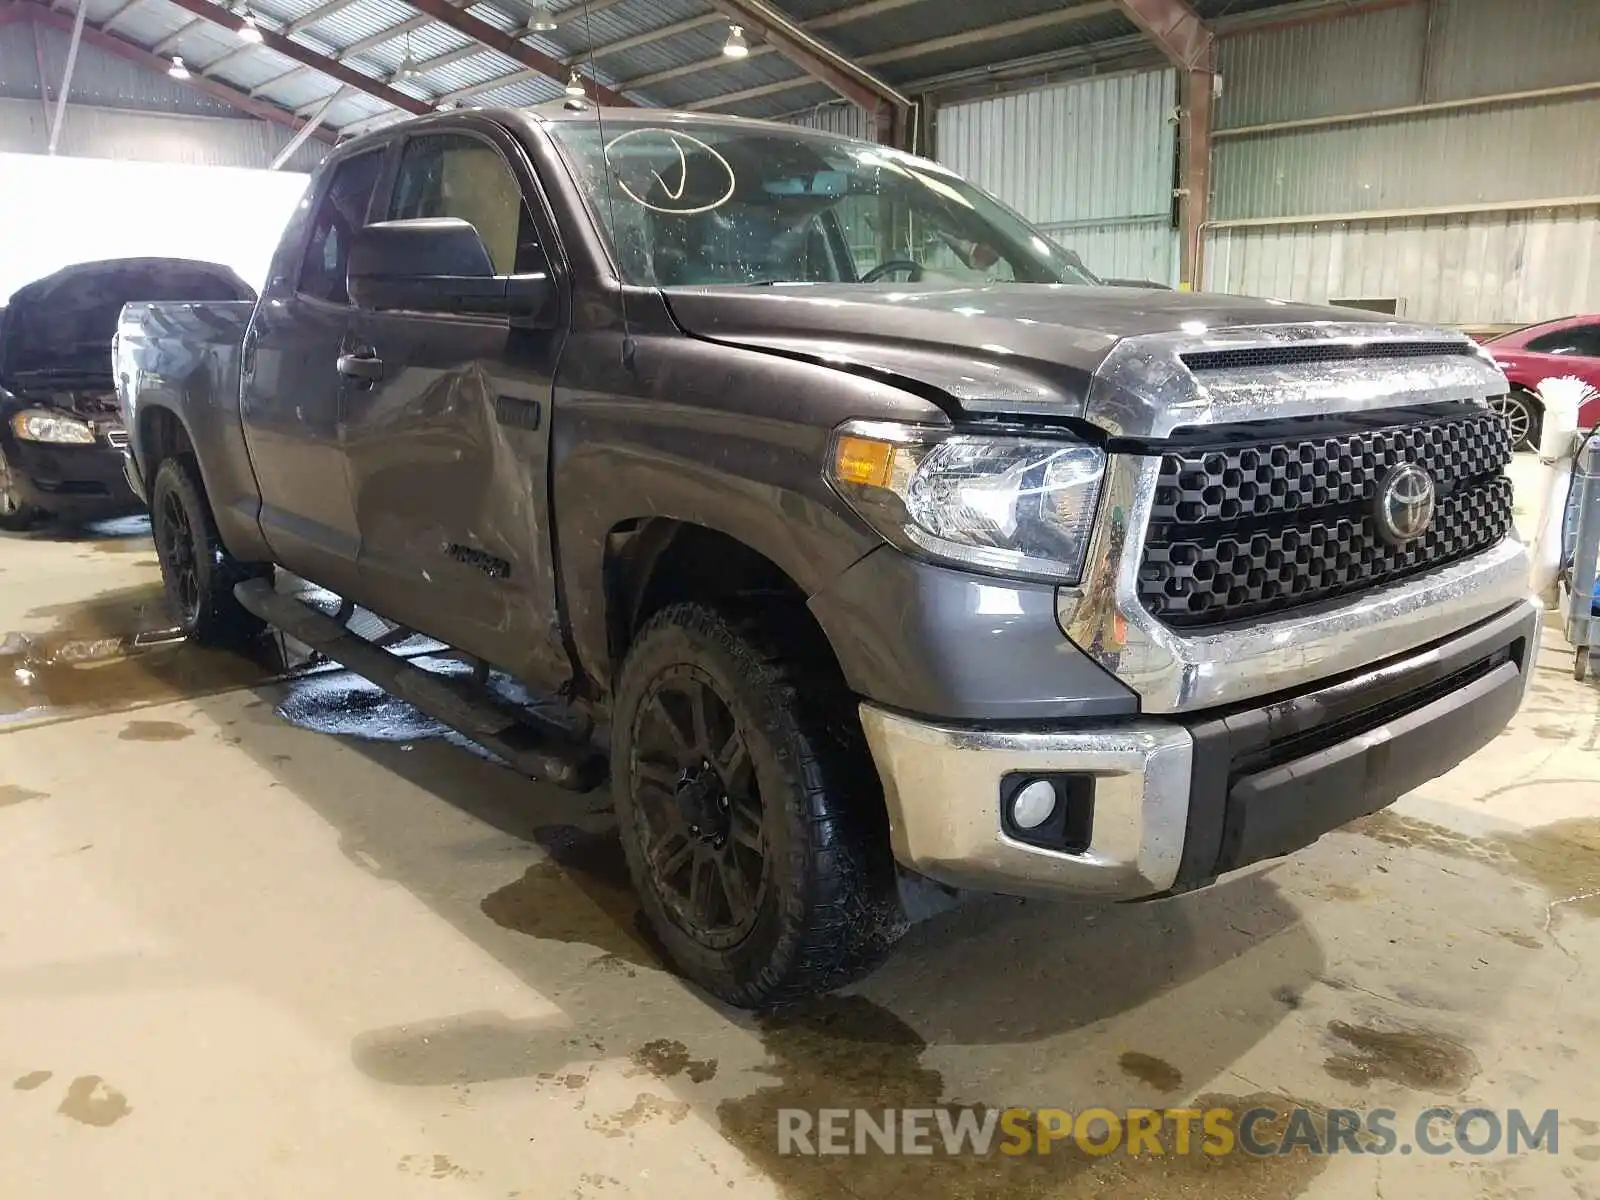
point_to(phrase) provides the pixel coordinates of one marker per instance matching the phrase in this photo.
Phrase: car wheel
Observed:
(15, 514)
(749, 811)
(196, 568)
(1525, 415)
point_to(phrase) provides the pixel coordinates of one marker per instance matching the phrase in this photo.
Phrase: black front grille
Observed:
(1241, 530)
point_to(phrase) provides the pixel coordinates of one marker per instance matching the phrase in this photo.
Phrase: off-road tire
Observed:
(828, 911)
(204, 606)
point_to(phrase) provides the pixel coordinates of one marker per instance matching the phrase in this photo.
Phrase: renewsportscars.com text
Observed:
(955, 1131)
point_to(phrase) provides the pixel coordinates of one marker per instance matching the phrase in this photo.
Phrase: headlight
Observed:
(1015, 506)
(42, 425)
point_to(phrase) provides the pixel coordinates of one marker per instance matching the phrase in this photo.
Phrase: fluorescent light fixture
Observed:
(540, 20)
(736, 46)
(250, 31)
(177, 70)
(575, 85)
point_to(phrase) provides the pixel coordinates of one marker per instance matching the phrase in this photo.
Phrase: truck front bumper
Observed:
(1153, 806)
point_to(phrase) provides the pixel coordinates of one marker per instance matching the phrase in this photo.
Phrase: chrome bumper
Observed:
(942, 787)
(942, 783)
(1174, 672)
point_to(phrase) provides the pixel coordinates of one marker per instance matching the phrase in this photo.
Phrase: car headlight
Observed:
(1007, 505)
(42, 425)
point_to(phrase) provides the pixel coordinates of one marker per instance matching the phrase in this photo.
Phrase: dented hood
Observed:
(58, 330)
(1021, 347)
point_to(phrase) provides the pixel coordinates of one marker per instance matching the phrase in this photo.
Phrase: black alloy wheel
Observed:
(699, 807)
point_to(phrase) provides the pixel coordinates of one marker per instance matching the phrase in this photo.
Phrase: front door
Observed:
(292, 391)
(447, 432)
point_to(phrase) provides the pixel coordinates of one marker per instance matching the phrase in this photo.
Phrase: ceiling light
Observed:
(249, 31)
(736, 46)
(406, 69)
(540, 20)
(575, 85)
(177, 70)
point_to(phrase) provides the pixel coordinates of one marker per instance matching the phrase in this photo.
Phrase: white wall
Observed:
(61, 211)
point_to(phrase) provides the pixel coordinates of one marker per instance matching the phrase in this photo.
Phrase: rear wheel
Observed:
(196, 568)
(1525, 415)
(16, 514)
(749, 811)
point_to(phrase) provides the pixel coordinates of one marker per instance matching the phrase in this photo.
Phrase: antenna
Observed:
(611, 204)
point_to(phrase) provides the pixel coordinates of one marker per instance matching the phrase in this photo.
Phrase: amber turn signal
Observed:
(863, 461)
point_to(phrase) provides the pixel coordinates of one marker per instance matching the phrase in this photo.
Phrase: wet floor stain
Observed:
(1288, 996)
(468, 1048)
(91, 1100)
(1582, 1125)
(32, 1080)
(12, 793)
(1526, 940)
(665, 1058)
(1562, 858)
(1420, 1059)
(115, 652)
(1147, 1068)
(434, 1166)
(1339, 891)
(644, 1109)
(846, 1052)
(1587, 1153)
(581, 893)
(154, 731)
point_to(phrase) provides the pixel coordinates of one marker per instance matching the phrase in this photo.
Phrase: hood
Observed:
(58, 330)
(1022, 348)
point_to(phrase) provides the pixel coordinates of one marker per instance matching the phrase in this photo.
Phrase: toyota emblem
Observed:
(1405, 504)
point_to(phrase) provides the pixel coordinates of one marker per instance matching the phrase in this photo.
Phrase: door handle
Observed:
(361, 366)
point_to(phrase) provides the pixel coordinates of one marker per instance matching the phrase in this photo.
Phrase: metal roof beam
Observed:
(121, 12)
(317, 14)
(645, 38)
(1176, 29)
(139, 56)
(307, 57)
(819, 60)
(990, 33)
(511, 45)
(169, 43)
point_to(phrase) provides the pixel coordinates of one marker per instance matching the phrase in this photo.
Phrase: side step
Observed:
(541, 752)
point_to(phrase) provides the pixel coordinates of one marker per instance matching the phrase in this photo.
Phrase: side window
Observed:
(343, 210)
(452, 175)
(1586, 341)
(1579, 339)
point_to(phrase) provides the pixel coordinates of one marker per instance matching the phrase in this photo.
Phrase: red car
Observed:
(1570, 346)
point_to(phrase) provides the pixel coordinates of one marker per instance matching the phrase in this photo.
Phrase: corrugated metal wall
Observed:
(847, 120)
(1484, 268)
(1089, 161)
(1508, 264)
(117, 110)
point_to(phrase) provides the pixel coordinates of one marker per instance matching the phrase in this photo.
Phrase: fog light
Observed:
(1033, 804)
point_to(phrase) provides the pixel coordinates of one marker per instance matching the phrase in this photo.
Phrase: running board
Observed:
(543, 752)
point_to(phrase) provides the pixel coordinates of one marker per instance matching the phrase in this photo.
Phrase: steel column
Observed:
(1191, 46)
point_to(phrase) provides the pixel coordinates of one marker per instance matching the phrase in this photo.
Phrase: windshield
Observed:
(711, 203)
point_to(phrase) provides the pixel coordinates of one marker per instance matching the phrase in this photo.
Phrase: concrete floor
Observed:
(242, 956)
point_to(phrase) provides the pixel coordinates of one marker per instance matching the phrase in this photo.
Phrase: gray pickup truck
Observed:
(881, 552)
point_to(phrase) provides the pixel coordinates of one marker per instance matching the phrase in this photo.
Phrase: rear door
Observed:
(292, 392)
(447, 443)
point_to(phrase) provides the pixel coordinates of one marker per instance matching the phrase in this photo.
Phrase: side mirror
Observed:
(439, 264)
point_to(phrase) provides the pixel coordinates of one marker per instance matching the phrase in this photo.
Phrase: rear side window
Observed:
(452, 175)
(1582, 340)
(343, 210)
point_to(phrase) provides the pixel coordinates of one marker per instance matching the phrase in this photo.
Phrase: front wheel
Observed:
(196, 568)
(16, 514)
(749, 811)
(1524, 415)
